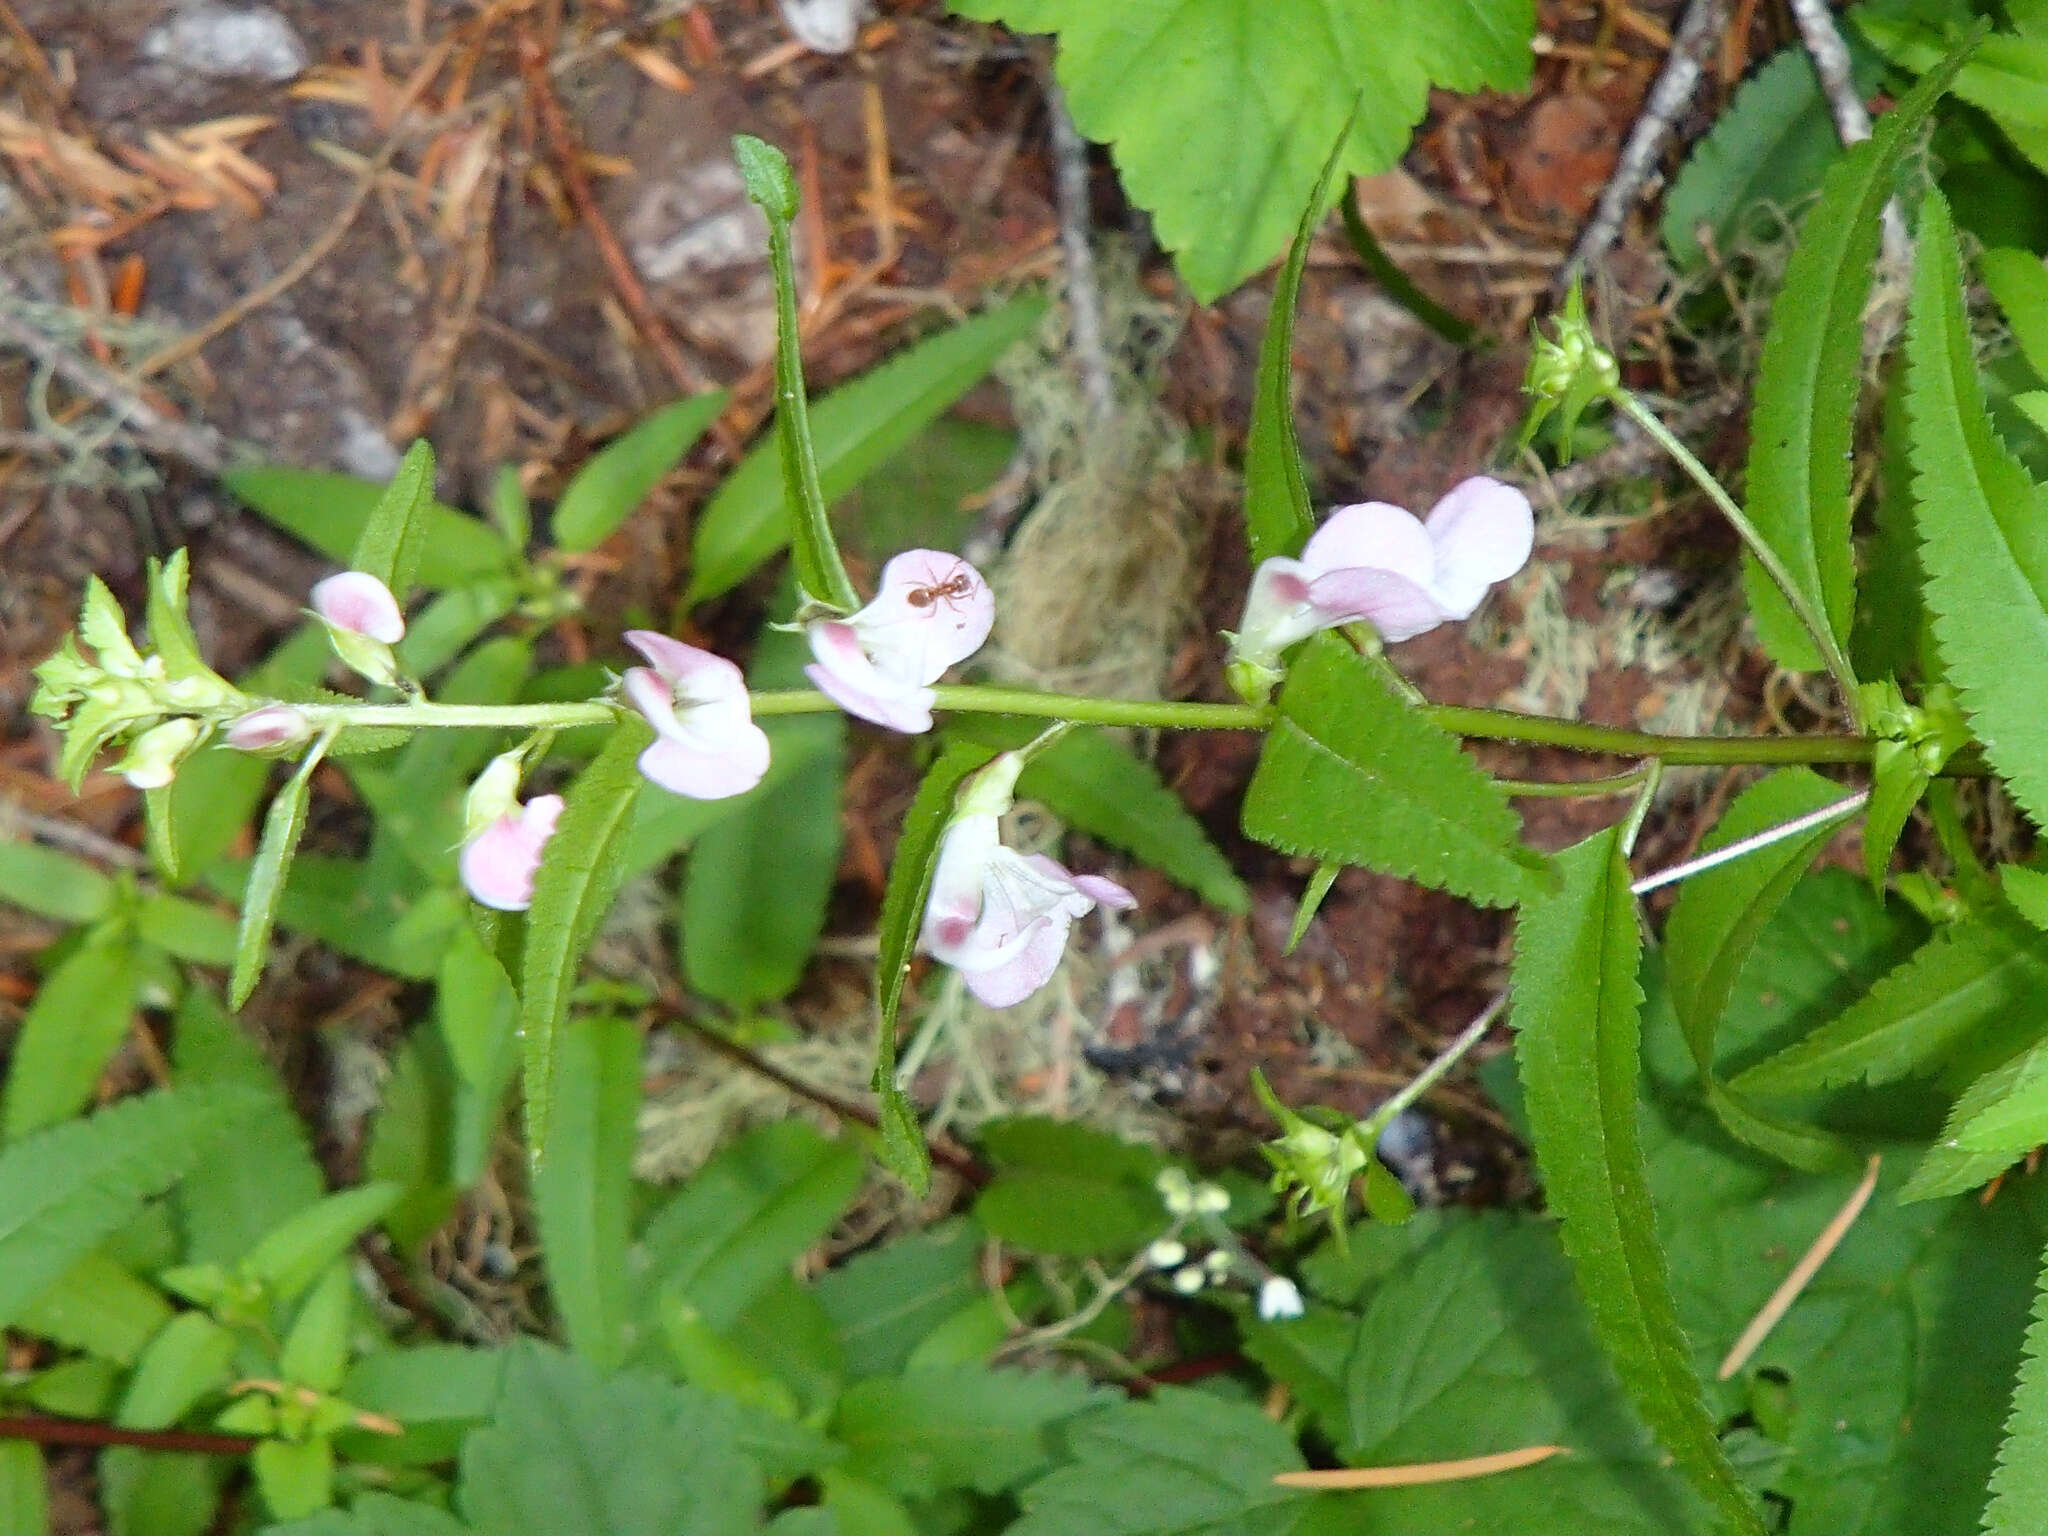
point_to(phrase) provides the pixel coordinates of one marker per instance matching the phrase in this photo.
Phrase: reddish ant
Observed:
(952, 589)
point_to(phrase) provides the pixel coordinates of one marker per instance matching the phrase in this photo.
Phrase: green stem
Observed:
(1675, 751)
(1398, 285)
(1433, 1073)
(1816, 626)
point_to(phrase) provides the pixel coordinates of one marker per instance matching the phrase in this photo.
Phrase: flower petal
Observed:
(1398, 608)
(954, 905)
(688, 765)
(274, 725)
(1104, 892)
(361, 604)
(1375, 536)
(933, 610)
(1484, 532)
(1277, 610)
(648, 691)
(499, 863)
(1027, 969)
(846, 675)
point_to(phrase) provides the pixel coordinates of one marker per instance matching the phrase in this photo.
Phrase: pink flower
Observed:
(274, 725)
(932, 611)
(997, 916)
(498, 864)
(1377, 562)
(707, 745)
(359, 603)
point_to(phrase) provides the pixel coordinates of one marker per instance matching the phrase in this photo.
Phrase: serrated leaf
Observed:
(394, 533)
(1352, 774)
(1277, 515)
(1898, 779)
(283, 824)
(964, 1426)
(330, 512)
(1577, 1011)
(1768, 150)
(225, 1205)
(582, 1189)
(295, 1252)
(606, 491)
(1983, 527)
(1097, 785)
(884, 1301)
(2027, 891)
(64, 1190)
(78, 1020)
(52, 884)
(98, 1306)
(1068, 1189)
(1951, 1165)
(2019, 283)
(1804, 420)
(571, 894)
(2019, 1484)
(1224, 158)
(853, 430)
(903, 899)
(1964, 981)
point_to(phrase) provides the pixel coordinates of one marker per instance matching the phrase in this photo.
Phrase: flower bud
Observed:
(153, 757)
(1568, 371)
(1280, 1299)
(1166, 1254)
(494, 795)
(1190, 1280)
(268, 728)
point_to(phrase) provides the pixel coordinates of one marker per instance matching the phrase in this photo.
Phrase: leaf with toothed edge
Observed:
(572, 891)
(283, 824)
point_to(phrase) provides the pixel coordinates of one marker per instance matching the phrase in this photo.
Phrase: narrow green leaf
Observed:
(1398, 285)
(476, 1009)
(24, 1489)
(509, 510)
(294, 1253)
(1804, 421)
(1577, 1011)
(1312, 898)
(1097, 785)
(52, 884)
(1898, 779)
(159, 831)
(1965, 980)
(910, 881)
(854, 429)
(98, 1306)
(2019, 1484)
(607, 490)
(283, 825)
(65, 1189)
(77, 1022)
(389, 546)
(820, 573)
(1351, 774)
(315, 1352)
(1278, 516)
(330, 512)
(203, 935)
(182, 1364)
(2027, 891)
(2019, 283)
(1983, 527)
(439, 632)
(571, 894)
(582, 1190)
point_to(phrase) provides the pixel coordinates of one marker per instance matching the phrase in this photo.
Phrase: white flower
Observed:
(706, 743)
(1279, 1299)
(933, 610)
(1166, 1253)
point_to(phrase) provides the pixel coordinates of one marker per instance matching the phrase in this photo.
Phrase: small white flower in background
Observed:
(932, 612)
(1381, 564)
(361, 604)
(153, 757)
(706, 745)
(1190, 1280)
(262, 730)
(1175, 1192)
(503, 840)
(1211, 1199)
(824, 26)
(1279, 1299)
(1166, 1253)
(997, 916)
(363, 622)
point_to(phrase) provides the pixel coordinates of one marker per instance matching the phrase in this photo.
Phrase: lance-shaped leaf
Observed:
(572, 891)
(2000, 1118)
(283, 825)
(393, 538)
(1983, 527)
(1277, 515)
(78, 1020)
(1351, 774)
(1577, 1013)
(618, 477)
(1804, 423)
(2019, 1484)
(910, 882)
(330, 511)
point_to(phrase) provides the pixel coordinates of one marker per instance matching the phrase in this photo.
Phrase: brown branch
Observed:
(47, 1430)
(567, 156)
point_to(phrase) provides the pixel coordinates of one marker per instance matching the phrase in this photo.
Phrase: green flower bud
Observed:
(153, 757)
(1568, 371)
(371, 659)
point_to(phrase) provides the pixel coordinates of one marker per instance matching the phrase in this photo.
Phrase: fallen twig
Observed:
(1415, 1473)
(49, 1430)
(1084, 295)
(1674, 88)
(1809, 1264)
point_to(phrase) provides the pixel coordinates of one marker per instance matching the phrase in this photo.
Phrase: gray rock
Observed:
(824, 26)
(228, 42)
(697, 223)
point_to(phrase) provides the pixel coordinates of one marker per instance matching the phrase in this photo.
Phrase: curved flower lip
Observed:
(706, 744)
(932, 611)
(499, 863)
(361, 604)
(1404, 575)
(1001, 918)
(273, 725)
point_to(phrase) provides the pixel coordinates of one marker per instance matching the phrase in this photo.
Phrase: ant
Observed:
(951, 590)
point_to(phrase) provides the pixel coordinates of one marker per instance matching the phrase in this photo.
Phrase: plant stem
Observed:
(1160, 714)
(1433, 1073)
(1749, 845)
(1816, 625)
